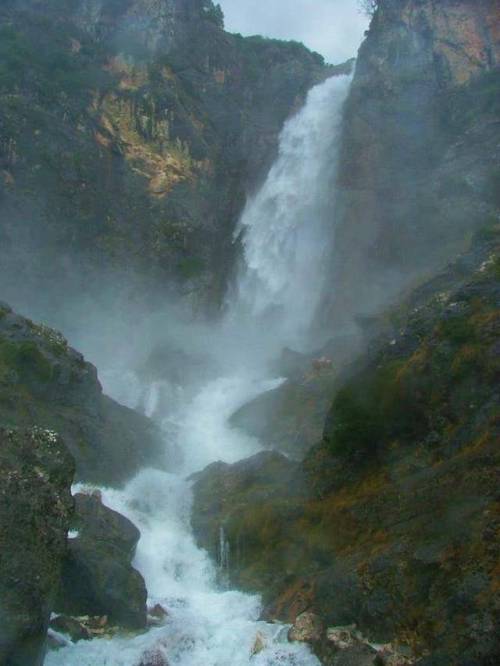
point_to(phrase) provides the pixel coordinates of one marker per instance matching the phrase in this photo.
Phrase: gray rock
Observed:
(97, 576)
(36, 472)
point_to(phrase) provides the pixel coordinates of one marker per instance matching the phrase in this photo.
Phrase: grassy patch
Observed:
(26, 359)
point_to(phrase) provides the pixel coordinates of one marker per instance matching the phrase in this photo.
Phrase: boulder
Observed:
(83, 627)
(36, 472)
(97, 576)
(259, 644)
(72, 627)
(157, 615)
(308, 628)
(153, 657)
(341, 637)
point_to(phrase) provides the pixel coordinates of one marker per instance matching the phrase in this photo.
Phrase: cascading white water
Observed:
(286, 227)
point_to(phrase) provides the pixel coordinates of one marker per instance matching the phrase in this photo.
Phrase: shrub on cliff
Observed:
(357, 427)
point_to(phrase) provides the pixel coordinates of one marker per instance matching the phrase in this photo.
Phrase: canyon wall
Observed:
(420, 169)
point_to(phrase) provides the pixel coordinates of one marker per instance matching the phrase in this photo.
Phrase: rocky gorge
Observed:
(352, 482)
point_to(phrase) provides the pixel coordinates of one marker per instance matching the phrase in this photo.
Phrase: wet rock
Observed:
(341, 637)
(388, 656)
(56, 641)
(356, 655)
(97, 576)
(154, 657)
(96, 522)
(76, 630)
(259, 644)
(36, 472)
(308, 628)
(157, 615)
(346, 646)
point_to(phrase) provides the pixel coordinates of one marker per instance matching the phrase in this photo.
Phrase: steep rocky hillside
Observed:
(130, 133)
(392, 521)
(420, 163)
(45, 383)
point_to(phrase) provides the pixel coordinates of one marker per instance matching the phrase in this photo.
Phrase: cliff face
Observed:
(420, 167)
(130, 133)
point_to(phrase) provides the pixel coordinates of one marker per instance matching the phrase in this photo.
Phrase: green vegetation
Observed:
(358, 426)
(26, 360)
(430, 391)
(50, 63)
(215, 14)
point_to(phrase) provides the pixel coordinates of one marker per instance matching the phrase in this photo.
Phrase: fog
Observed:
(333, 28)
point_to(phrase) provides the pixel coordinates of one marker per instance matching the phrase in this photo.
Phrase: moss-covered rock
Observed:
(36, 472)
(46, 383)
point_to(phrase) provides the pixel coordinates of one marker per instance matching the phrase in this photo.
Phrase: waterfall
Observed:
(287, 227)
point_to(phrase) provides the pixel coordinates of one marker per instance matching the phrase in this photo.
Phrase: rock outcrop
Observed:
(36, 472)
(420, 166)
(97, 575)
(44, 382)
(220, 512)
(130, 134)
(391, 522)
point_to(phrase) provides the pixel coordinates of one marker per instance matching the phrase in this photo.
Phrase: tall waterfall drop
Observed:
(288, 224)
(286, 227)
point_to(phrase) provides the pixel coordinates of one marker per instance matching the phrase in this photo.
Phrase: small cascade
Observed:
(224, 559)
(224, 550)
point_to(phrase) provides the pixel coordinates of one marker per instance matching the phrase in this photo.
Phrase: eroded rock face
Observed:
(36, 472)
(43, 381)
(159, 115)
(420, 165)
(97, 575)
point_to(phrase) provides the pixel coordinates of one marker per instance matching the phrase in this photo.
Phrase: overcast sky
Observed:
(334, 28)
